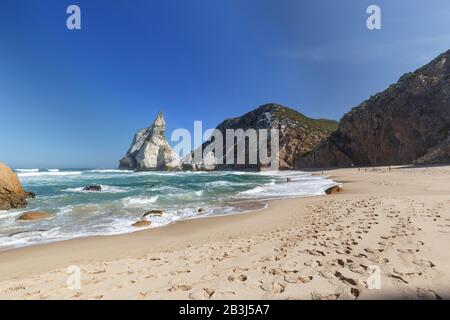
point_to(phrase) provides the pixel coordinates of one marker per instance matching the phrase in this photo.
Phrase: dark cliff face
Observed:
(397, 126)
(298, 134)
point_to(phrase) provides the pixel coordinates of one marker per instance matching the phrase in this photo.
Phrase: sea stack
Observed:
(150, 150)
(12, 194)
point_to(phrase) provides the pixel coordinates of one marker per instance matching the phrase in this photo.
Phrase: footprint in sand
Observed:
(409, 251)
(315, 252)
(341, 262)
(312, 263)
(273, 287)
(202, 294)
(239, 269)
(407, 273)
(182, 287)
(361, 269)
(295, 278)
(355, 292)
(424, 263)
(326, 274)
(98, 271)
(240, 278)
(325, 296)
(427, 294)
(345, 279)
(210, 276)
(397, 277)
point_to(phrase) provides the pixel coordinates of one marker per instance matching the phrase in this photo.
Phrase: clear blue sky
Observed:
(75, 98)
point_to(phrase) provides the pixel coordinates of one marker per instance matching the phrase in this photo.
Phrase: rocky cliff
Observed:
(150, 150)
(12, 194)
(439, 154)
(298, 135)
(407, 121)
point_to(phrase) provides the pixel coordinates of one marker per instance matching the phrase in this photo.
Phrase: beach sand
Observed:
(395, 221)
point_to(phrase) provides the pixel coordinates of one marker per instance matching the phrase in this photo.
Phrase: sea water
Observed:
(127, 195)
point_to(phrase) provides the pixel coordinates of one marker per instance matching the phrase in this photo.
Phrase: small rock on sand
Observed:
(334, 190)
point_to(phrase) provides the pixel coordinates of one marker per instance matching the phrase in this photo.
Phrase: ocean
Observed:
(127, 195)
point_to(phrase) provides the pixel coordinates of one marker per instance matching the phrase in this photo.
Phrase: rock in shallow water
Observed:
(30, 195)
(33, 215)
(157, 213)
(93, 188)
(141, 223)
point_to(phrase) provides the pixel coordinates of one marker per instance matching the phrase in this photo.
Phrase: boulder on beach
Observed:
(33, 215)
(155, 212)
(93, 188)
(141, 223)
(334, 190)
(12, 194)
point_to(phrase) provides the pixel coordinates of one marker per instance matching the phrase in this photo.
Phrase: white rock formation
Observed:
(150, 150)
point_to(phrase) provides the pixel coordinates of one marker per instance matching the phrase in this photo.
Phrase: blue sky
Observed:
(75, 98)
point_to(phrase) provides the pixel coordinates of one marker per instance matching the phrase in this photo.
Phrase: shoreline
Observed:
(81, 241)
(174, 212)
(265, 248)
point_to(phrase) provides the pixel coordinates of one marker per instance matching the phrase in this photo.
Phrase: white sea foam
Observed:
(255, 190)
(139, 201)
(222, 183)
(105, 189)
(26, 170)
(110, 171)
(47, 173)
(297, 187)
(186, 196)
(53, 170)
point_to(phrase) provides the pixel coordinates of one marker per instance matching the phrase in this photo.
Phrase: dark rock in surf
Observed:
(155, 212)
(30, 195)
(93, 188)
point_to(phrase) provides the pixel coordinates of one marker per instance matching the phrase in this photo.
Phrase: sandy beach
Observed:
(320, 247)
